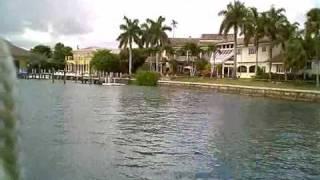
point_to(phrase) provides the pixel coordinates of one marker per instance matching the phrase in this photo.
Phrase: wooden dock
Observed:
(85, 79)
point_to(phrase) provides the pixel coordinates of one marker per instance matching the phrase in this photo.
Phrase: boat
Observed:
(112, 84)
(108, 82)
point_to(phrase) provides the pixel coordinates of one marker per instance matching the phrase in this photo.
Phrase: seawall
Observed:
(279, 93)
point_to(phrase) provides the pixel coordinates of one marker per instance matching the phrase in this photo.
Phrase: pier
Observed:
(97, 78)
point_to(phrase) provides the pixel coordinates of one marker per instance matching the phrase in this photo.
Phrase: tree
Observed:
(273, 21)
(253, 31)
(138, 59)
(43, 50)
(312, 27)
(40, 57)
(104, 60)
(233, 17)
(59, 54)
(295, 55)
(313, 22)
(157, 36)
(213, 49)
(290, 38)
(174, 24)
(130, 34)
(192, 51)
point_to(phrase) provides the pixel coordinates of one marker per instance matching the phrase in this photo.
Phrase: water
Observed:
(84, 132)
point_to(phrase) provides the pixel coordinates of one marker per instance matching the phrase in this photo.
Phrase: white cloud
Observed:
(194, 17)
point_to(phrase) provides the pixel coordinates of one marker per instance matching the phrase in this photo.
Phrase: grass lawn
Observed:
(253, 82)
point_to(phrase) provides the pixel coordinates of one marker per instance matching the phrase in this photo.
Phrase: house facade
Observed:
(246, 58)
(79, 62)
(246, 54)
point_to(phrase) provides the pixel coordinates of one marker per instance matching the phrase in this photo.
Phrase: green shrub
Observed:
(147, 78)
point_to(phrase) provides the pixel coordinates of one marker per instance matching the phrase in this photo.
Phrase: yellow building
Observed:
(79, 63)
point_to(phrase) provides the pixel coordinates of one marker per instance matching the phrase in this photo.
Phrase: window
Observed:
(252, 69)
(242, 69)
(264, 49)
(309, 65)
(279, 68)
(239, 51)
(252, 50)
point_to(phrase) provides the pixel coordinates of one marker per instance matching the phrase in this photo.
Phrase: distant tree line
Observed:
(43, 57)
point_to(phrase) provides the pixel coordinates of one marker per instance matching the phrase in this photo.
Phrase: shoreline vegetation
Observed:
(143, 44)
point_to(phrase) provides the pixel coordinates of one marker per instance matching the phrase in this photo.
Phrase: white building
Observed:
(246, 55)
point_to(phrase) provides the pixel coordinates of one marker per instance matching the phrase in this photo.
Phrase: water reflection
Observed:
(92, 132)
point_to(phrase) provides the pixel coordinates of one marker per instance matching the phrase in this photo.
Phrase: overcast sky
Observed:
(96, 22)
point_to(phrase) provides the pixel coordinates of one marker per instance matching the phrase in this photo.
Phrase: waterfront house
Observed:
(246, 55)
(79, 62)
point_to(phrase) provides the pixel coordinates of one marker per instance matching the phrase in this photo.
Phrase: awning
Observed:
(221, 57)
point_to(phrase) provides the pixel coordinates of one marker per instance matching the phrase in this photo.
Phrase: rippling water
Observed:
(85, 132)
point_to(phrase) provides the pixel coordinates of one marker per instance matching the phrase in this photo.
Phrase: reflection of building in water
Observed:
(80, 61)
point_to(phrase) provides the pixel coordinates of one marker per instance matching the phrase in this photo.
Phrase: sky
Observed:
(85, 23)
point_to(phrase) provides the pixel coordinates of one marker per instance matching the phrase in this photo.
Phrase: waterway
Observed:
(82, 132)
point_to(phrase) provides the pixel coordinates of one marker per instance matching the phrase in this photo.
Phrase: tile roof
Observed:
(219, 37)
(178, 42)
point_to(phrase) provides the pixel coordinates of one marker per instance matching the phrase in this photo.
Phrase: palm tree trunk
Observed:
(214, 65)
(150, 62)
(270, 61)
(257, 58)
(157, 62)
(130, 59)
(234, 72)
(90, 75)
(285, 75)
(317, 78)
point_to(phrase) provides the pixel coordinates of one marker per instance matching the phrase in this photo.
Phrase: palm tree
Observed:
(174, 24)
(233, 17)
(146, 35)
(212, 49)
(192, 50)
(295, 55)
(313, 22)
(253, 30)
(146, 42)
(158, 37)
(313, 36)
(273, 21)
(131, 34)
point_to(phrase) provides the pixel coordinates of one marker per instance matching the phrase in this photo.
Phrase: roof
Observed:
(88, 49)
(17, 51)
(177, 42)
(219, 37)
